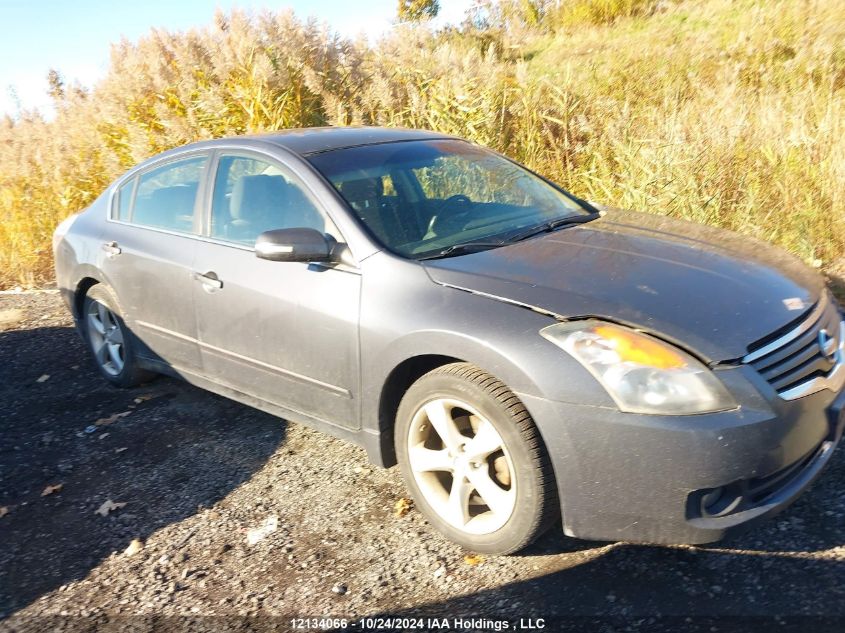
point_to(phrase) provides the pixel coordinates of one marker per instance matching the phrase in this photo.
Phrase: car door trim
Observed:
(279, 370)
(337, 266)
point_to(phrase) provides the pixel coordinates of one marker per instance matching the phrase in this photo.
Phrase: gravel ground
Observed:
(197, 472)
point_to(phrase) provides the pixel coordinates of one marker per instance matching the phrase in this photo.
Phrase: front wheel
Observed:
(474, 461)
(109, 339)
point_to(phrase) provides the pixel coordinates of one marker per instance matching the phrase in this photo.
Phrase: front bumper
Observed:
(658, 479)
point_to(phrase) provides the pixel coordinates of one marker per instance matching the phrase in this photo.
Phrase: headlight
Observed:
(641, 373)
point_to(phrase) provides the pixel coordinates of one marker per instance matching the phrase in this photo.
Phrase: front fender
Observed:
(404, 315)
(474, 349)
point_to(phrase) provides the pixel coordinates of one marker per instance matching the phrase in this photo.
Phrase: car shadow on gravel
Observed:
(174, 450)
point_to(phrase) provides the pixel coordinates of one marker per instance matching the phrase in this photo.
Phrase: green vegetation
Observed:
(730, 112)
(416, 10)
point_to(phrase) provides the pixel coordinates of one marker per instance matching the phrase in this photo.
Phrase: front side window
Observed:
(252, 195)
(421, 197)
(165, 197)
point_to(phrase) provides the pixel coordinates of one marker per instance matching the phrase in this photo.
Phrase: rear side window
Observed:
(252, 195)
(164, 197)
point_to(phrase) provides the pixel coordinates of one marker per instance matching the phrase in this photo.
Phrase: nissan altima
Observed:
(525, 356)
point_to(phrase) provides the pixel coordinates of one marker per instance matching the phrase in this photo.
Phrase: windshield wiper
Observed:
(548, 227)
(470, 247)
(464, 247)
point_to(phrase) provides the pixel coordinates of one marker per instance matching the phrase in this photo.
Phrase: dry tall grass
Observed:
(726, 112)
(730, 113)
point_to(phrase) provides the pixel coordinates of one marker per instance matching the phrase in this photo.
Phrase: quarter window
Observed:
(165, 197)
(124, 200)
(253, 195)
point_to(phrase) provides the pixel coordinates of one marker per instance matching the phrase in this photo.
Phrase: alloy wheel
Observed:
(106, 338)
(461, 465)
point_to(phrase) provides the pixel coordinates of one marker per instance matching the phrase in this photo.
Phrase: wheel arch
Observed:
(398, 381)
(82, 287)
(87, 276)
(421, 353)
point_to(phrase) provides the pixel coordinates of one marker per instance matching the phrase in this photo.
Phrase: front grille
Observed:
(806, 356)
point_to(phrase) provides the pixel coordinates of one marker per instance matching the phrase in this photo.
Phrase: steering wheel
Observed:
(453, 220)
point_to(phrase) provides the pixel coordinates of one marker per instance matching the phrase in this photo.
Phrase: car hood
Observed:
(709, 290)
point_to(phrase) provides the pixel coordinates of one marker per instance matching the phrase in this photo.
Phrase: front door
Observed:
(147, 253)
(282, 331)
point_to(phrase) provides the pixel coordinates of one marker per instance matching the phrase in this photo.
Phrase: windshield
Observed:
(422, 197)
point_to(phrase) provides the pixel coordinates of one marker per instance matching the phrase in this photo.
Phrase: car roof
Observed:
(322, 139)
(304, 141)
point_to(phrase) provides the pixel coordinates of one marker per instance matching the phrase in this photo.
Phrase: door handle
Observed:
(209, 279)
(111, 249)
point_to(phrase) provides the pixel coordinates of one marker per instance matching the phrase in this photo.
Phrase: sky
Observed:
(73, 36)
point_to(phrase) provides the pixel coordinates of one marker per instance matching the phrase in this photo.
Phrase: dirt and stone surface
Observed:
(188, 506)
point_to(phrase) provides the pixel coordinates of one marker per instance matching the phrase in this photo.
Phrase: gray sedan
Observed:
(524, 355)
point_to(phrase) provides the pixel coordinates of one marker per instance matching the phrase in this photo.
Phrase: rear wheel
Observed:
(109, 340)
(473, 460)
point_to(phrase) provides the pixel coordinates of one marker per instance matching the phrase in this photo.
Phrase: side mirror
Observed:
(293, 245)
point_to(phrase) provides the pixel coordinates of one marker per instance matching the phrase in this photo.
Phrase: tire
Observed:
(109, 340)
(488, 488)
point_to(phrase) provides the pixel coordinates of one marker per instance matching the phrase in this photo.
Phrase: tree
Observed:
(55, 86)
(416, 10)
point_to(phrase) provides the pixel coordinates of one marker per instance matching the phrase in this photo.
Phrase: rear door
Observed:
(148, 248)
(285, 332)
